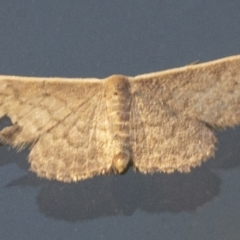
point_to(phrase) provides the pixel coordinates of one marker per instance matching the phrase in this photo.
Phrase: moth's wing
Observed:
(170, 110)
(163, 140)
(35, 105)
(79, 147)
(64, 120)
(209, 92)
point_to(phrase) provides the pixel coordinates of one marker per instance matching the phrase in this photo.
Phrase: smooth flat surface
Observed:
(97, 39)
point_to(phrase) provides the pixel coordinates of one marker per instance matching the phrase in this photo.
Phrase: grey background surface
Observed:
(96, 39)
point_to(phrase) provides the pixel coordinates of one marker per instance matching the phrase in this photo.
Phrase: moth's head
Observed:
(121, 161)
(116, 84)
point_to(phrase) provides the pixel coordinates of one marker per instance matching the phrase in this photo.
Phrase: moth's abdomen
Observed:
(118, 101)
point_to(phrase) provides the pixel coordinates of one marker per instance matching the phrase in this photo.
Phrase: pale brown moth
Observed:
(158, 122)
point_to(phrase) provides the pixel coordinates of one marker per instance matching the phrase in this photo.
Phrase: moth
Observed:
(157, 122)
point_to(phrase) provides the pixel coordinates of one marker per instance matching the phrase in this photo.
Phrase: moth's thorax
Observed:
(118, 100)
